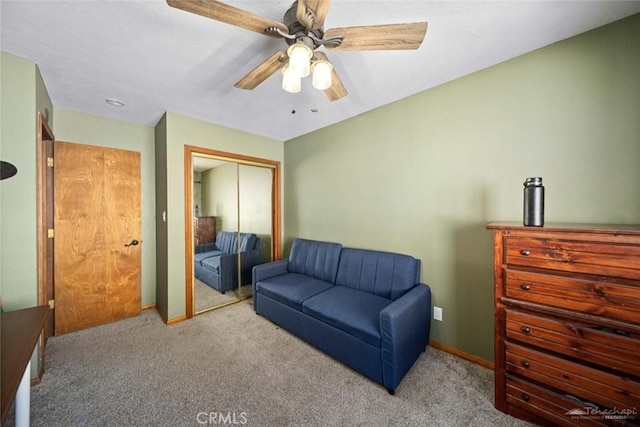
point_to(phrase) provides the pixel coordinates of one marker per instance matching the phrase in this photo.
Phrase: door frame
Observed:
(45, 252)
(276, 208)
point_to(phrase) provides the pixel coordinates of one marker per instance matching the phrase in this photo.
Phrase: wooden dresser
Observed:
(567, 323)
(204, 228)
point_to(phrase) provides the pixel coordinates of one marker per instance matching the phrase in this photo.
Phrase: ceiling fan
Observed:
(302, 29)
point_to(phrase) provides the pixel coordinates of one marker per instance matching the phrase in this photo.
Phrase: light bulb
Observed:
(291, 82)
(300, 59)
(322, 74)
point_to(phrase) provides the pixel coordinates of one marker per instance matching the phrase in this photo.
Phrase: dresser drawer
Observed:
(561, 410)
(614, 349)
(599, 258)
(616, 300)
(601, 388)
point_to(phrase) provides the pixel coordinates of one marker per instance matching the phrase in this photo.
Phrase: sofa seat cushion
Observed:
(212, 263)
(292, 289)
(198, 258)
(353, 311)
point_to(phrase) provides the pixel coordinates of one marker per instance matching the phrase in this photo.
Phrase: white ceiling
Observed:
(157, 58)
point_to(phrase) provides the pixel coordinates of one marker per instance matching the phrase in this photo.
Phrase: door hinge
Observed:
(50, 233)
(50, 162)
(52, 304)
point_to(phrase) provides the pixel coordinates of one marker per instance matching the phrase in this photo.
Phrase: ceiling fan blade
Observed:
(263, 71)
(379, 37)
(320, 9)
(337, 89)
(229, 15)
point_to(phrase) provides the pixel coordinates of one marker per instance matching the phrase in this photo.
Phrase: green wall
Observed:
(162, 262)
(22, 95)
(255, 205)
(180, 131)
(220, 196)
(424, 175)
(82, 128)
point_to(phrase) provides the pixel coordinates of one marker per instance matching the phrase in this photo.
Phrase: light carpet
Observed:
(206, 297)
(231, 366)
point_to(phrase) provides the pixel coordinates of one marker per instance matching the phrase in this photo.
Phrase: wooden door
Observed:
(97, 217)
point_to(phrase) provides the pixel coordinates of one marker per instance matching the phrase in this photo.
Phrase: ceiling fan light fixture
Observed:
(300, 59)
(322, 74)
(291, 82)
(302, 29)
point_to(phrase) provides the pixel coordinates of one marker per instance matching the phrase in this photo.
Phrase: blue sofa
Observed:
(216, 264)
(365, 308)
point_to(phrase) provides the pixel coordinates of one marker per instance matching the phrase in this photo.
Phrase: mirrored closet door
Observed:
(234, 211)
(215, 230)
(255, 221)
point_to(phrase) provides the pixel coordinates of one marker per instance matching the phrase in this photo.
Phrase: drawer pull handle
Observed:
(525, 329)
(614, 331)
(525, 397)
(525, 364)
(525, 287)
(525, 252)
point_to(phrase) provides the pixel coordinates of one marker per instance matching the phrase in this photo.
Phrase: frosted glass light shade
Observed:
(322, 74)
(300, 59)
(291, 82)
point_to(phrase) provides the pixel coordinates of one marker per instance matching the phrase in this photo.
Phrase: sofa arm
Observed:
(248, 259)
(270, 269)
(404, 328)
(228, 272)
(264, 271)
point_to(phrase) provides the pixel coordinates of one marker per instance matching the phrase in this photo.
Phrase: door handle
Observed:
(134, 242)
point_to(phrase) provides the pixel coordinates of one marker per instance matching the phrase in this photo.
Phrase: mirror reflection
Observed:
(255, 220)
(232, 226)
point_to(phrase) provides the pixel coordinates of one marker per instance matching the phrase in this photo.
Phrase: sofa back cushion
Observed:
(248, 242)
(316, 259)
(385, 274)
(227, 241)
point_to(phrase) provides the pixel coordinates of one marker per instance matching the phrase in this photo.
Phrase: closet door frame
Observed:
(276, 206)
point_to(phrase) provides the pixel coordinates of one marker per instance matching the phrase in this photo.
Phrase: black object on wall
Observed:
(7, 170)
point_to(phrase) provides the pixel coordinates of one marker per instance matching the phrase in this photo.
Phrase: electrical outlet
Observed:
(437, 313)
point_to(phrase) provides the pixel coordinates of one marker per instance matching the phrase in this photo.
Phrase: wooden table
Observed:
(19, 331)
